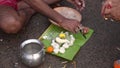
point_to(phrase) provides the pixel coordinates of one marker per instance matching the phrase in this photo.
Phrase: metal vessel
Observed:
(32, 52)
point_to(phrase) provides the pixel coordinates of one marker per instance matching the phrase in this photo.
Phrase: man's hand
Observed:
(73, 26)
(79, 4)
(70, 25)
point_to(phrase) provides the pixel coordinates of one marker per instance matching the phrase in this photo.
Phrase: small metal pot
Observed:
(32, 52)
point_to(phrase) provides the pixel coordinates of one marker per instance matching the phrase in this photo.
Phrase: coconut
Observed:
(69, 13)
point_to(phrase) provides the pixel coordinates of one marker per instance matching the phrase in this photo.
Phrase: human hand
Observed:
(79, 4)
(70, 25)
(111, 9)
(73, 26)
(83, 29)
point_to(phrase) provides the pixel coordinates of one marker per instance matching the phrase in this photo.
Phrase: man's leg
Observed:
(11, 21)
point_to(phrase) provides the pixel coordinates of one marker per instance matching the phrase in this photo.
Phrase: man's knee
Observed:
(11, 25)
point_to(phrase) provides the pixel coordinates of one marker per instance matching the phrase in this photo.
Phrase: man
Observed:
(14, 14)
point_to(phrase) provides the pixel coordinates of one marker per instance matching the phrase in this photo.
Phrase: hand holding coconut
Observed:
(71, 20)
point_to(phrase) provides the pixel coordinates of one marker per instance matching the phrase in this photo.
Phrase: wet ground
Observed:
(100, 51)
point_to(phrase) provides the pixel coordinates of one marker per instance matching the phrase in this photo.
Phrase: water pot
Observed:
(32, 52)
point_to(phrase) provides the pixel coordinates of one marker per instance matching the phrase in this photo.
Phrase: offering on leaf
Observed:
(64, 50)
(62, 42)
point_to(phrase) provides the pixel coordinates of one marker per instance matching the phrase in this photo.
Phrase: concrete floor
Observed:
(100, 51)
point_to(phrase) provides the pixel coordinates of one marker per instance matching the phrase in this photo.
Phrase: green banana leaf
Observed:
(52, 31)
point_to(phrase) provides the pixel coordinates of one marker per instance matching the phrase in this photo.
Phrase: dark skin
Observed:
(12, 21)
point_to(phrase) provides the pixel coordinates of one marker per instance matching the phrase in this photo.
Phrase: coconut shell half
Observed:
(69, 13)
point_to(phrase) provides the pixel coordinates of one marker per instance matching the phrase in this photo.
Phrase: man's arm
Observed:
(42, 7)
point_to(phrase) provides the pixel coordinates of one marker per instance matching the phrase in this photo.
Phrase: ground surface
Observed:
(99, 52)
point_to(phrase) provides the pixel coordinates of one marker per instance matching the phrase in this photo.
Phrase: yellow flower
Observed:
(62, 35)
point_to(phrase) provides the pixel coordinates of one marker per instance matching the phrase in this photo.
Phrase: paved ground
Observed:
(99, 52)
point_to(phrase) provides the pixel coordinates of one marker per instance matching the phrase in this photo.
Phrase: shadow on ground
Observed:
(99, 52)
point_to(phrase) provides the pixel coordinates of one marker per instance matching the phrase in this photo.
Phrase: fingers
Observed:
(82, 28)
(80, 4)
(78, 28)
(85, 30)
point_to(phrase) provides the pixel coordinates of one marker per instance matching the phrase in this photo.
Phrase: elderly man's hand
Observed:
(79, 4)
